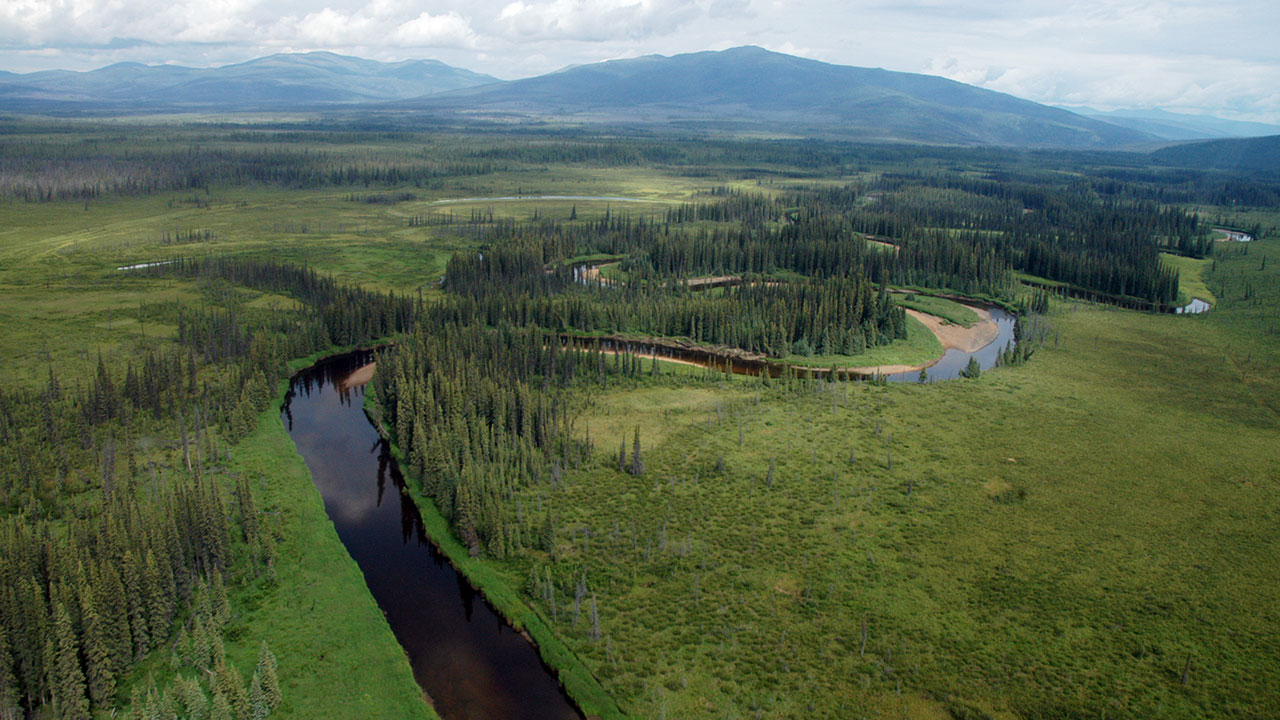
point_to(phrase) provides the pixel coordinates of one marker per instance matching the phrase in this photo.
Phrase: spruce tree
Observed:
(637, 464)
(259, 708)
(194, 703)
(218, 600)
(267, 670)
(9, 708)
(99, 664)
(220, 707)
(135, 601)
(158, 603)
(68, 681)
(230, 686)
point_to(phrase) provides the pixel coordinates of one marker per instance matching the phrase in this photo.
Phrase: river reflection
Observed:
(465, 656)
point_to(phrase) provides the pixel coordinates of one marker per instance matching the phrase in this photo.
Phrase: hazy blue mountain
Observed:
(1261, 153)
(285, 80)
(752, 87)
(1180, 126)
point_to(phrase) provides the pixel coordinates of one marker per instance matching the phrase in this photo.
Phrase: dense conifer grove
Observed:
(115, 545)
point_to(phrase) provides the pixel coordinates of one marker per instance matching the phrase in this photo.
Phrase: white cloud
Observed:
(594, 20)
(427, 30)
(386, 23)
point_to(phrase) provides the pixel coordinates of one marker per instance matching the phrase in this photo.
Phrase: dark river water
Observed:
(947, 367)
(470, 662)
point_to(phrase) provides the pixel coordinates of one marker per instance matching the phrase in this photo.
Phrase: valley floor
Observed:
(1090, 534)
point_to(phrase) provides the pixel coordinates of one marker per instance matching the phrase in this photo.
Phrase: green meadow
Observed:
(1090, 534)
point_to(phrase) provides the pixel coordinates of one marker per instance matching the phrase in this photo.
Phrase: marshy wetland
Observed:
(1041, 537)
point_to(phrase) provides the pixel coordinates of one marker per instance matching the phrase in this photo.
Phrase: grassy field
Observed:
(949, 310)
(1060, 539)
(1092, 534)
(1190, 277)
(921, 346)
(338, 656)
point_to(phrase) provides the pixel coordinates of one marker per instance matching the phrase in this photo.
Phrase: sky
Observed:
(1215, 57)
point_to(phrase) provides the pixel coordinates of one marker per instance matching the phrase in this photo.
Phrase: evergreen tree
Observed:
(221, 708)
(259, 708)
(9, 708)
(99, 664)
(194, 702)
(637, 464)
(267, 671)
(68, 684)
(230, 686)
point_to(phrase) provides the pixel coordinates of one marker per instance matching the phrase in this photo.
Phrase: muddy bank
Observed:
(958, 337)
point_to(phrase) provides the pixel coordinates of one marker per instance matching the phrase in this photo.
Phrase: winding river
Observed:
(525, 198)
(947, 367)
(468, 660)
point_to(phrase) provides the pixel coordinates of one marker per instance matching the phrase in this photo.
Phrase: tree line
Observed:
(110, 543)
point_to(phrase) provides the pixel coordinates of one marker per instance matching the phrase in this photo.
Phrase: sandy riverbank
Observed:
(361, 376)
(953, 337)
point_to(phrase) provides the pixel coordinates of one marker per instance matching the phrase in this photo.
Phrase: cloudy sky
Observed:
(1206, 56)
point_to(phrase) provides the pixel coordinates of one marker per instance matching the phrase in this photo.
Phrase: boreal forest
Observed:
(710, 427)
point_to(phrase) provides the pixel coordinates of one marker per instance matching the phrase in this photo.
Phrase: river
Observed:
(466, 657)
(524, 198)
(947, 367)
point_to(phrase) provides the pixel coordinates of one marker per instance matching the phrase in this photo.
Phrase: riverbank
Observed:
(958, 337)
(338, 657)
(500, 590)
(940, 337)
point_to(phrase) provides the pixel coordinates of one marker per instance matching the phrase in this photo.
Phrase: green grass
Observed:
(1053, 540)
(921, 346)
(1190, 277)
(590, 258)
(337, 655)
(1019, 275)
(949, 310)
(499, 588)
(614, 272)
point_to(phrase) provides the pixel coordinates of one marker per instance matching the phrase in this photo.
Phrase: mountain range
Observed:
(736, 90)
(306, 80)
(1180, 126)
(1247, 154)
(753, 88)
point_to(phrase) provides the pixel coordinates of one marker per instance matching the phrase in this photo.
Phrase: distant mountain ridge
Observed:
(1180, 126)
(740, 89)
(271, 82)
(753, 87)
(1260, 153)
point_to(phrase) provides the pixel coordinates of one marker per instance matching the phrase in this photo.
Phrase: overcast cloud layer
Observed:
(1218, 57)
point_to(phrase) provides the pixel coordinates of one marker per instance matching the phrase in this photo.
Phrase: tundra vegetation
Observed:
(1085, 530)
